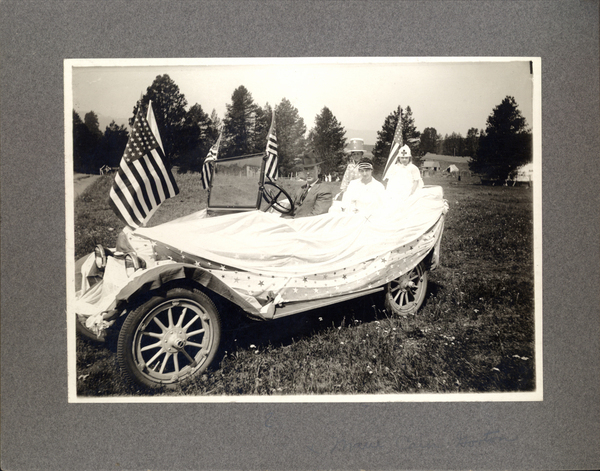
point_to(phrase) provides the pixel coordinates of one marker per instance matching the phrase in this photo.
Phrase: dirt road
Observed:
(82, 181)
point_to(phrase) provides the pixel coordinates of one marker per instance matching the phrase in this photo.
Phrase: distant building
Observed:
(431, 165)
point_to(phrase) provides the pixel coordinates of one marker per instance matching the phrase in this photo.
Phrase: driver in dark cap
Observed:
(315, 197)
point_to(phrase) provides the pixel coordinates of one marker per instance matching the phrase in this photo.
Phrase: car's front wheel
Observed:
(168, 339)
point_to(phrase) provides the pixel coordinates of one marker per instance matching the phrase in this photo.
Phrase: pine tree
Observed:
(328, 141)
(112, 145)
(429, 141)
(85, 147)
(385, 137)
(506, 143)
(168, 104)
(240, 124)
(91, 121)
(472, 142)
(196, 139)
(215, 120)
(291, 141)
(262, 122)
(454, 144)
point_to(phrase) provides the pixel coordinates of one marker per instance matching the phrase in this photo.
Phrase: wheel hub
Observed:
(174, 340)
(405, 283)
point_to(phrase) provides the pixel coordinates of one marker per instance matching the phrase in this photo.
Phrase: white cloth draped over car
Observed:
(268, 259)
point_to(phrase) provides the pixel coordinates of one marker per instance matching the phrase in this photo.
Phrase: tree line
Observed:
(188, 133)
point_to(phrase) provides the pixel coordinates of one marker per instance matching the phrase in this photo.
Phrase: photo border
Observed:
(41, 430)
(536, 128)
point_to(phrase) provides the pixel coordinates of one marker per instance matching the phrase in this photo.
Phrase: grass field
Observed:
(474, 333)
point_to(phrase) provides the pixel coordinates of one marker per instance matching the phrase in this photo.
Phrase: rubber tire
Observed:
(87, 333)
(136, 372)
(410, 299)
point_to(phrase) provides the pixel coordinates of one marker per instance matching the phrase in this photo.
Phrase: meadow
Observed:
(474, 332)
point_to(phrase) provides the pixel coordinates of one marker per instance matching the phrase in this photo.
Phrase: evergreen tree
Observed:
(506, 143)
(240, 124)
(429, 141)
(385, 137)
(112, 145)
(91, 121)
(472, 142)
(291, 141)
(410, 134)
(169, 105)
(196, 136)
(328, 141)
(215, 120)
(453, 144)
(85, 144)
(262, 122)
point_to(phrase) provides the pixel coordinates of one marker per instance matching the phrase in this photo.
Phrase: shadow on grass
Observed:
(242, 333)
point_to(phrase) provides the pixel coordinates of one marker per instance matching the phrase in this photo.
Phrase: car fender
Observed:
(432, 260)
(154, 278)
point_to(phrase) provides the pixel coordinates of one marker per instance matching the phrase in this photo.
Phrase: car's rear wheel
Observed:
(406, 294)
(169, 339)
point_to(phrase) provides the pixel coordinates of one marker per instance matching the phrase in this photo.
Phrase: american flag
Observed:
(271, 170)
(142, 182)
(207, 165)
(396, 144)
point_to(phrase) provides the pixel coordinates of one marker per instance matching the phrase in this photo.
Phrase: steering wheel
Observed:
(271, 194)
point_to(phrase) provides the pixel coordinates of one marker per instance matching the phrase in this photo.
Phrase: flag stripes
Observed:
(397, 142)
(206, 172)
(142, 182)
(271, 169)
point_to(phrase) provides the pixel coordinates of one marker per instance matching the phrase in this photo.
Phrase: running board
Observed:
(301, 306)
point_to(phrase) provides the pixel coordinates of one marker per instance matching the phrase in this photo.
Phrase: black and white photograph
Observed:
(322, 235)
(304, 229)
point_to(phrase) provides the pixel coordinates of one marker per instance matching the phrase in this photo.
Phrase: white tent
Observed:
(451, 169)
(524, 173)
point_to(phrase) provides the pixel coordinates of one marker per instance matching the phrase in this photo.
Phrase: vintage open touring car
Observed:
(165, 282)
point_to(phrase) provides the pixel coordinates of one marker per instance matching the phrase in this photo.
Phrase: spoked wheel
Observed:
(169, 339)
(406, 294)
(277, 198)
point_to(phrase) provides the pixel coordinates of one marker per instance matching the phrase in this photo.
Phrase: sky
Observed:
(448, 94)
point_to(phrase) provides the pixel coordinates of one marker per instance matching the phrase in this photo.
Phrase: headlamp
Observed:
(100, 257)
(133, 263)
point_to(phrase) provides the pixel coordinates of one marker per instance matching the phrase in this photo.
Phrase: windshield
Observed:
(235, 183)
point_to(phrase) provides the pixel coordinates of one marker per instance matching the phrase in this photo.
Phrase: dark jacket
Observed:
(318, 200)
